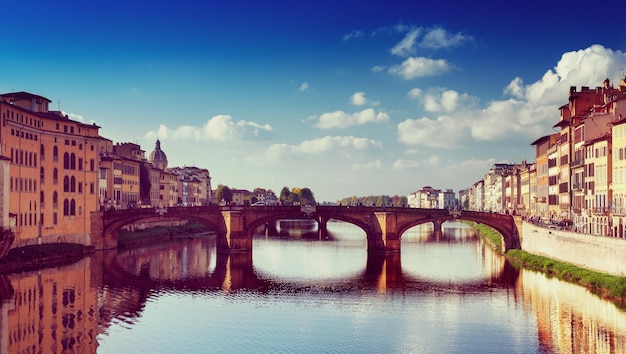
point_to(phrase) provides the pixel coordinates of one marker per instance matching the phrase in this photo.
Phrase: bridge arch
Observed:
(235, 226)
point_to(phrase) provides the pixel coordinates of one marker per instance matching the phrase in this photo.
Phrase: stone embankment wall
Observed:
(598, 253)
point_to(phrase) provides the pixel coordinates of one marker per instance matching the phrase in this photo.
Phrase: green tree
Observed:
(223, 193)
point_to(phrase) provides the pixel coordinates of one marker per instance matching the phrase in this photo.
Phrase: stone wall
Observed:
(599, 253)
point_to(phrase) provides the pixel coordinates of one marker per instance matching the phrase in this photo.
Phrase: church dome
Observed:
(158, 157)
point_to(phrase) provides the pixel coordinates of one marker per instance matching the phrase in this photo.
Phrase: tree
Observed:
(144, 184)
(294, 198)
(284, 194)
(306, 196)
(223, 193)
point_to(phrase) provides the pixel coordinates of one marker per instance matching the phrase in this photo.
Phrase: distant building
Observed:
(431, 198)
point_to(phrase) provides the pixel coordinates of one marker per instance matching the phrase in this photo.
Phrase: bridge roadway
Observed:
(234, 225)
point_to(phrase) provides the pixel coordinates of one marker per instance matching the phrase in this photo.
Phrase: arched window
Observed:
(66, 207)
(55, 153)
(73, 184)
(42, 152)
(41, 199)
(66, 184)
(55, 199)
(73, 161)
(55, 176)
(42, 174)
(73, 207)
(66, 161)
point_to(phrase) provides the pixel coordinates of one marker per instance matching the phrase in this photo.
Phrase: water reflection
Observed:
(78, 307)
(569, 318)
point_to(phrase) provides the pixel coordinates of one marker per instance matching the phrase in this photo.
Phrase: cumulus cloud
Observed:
(358, 99)
(217, 128)
(419, 66)
(414, 93)
(277, 152)
(443, 100)
(341, 119)
(443, 132)
(529, 112)
(304, 86)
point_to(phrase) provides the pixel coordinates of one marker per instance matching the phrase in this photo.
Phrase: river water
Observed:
(297, 293)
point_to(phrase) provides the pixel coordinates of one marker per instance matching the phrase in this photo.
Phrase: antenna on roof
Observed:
(59, 105)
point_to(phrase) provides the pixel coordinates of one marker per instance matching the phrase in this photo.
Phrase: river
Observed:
(297, 293)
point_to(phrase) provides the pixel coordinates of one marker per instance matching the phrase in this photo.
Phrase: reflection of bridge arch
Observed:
(235, 271)
(234, 226)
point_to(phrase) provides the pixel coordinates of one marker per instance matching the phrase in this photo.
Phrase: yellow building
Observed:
(53, 171)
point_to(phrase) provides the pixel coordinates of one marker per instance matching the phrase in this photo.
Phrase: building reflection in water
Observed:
(65, 309)
(570, 319)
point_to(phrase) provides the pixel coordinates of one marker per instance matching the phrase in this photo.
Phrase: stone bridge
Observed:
(234, 225)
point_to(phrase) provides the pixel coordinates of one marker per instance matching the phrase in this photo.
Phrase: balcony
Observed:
(577, 186)
(577, 163)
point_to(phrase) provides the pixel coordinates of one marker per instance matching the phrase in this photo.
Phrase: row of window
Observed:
(27, 158)
(22, 134)
(30, 219)
(22, 157)
(27, 185)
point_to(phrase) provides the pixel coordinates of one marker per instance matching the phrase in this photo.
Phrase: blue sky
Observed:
(343, 97)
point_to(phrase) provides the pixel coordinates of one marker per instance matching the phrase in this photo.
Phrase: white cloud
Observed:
(304, 86)
(358, 99)
(341, 119)
(438, 38)
(378, 68)
(374, 165)
(217, 128)
(444, 132)
(414, 93)
(434, 38)
(353, 35)
(404, 164)
(515, 88)
(442, 100)
(529, 113)
(278, 152)
(407, 45)
(419, 66)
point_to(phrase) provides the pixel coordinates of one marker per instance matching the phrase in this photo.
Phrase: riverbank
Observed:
(46, 255)
(36, 257)
(609, 287)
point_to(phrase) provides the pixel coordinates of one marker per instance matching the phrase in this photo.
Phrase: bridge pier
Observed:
(437, 228)
(322, 227)
(384, 237)
(235, 238)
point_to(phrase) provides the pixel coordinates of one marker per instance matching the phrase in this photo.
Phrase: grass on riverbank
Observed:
(605, 285)
(489, 233)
